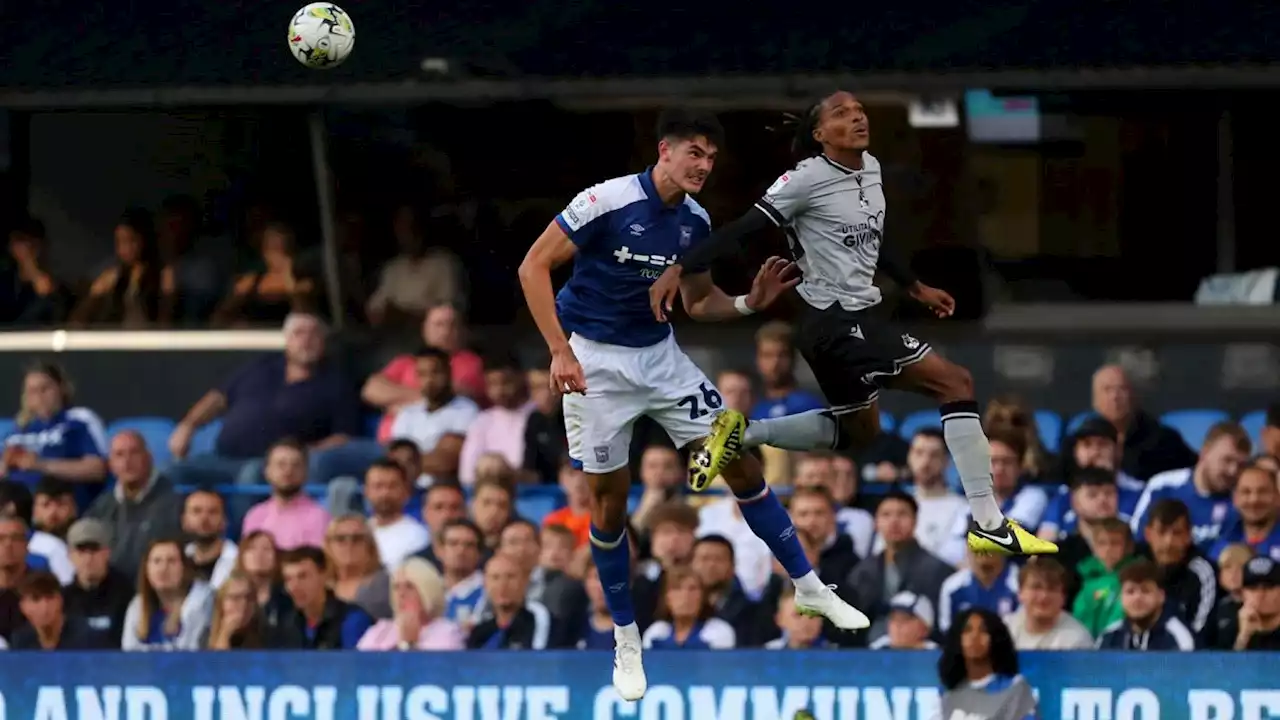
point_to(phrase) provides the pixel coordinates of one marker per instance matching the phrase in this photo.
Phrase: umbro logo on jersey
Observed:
(856, 331)
(636, 229)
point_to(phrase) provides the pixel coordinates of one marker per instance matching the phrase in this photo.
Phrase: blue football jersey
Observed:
(626, 237)
(1209, 513)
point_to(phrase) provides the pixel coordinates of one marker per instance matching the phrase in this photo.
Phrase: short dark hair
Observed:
(288, 443)
(931, 432)
(1141, 571)
(403, 443)
(1083, 476)
(16, 494)
(519, 521)
(430, 351)
(495, 362)
(306, 553)
(50, 486)
(673, 512)
(687, 124)
(464, 524)
(443, 486)
(899, 495)
(1168, 511)
(386, 463)
(204, 491)
(716, 539)
(39, 585)
(1116, 526)
(816, 491)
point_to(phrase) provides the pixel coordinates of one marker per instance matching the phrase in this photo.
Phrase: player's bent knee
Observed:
(957, 384)
(858, 430)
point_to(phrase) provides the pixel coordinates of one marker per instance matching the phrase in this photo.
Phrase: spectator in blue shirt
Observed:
(295, 394)
(776, 362)
(990, 582)
(1256, 521)
(321, 621)
(54, 438)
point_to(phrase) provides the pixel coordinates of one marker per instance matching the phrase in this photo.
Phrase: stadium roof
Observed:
(62, 52)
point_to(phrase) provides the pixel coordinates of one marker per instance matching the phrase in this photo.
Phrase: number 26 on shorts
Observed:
(701, 406)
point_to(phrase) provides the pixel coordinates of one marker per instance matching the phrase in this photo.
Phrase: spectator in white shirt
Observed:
(386, 487)
(438, 423)
(942, 511)
(204, 520)
(1041, 623)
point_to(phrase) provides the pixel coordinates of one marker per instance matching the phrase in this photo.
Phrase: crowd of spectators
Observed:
(411, 535)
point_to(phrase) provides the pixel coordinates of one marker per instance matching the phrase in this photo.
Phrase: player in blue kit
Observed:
(615, 361)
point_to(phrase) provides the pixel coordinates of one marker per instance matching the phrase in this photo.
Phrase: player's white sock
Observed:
(809, 583)
(813, 430)
(971, 453)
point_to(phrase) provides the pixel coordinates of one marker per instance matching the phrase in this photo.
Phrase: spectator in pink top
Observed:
(289, 516)
(397, 385)
(417, 596)
(510, 428)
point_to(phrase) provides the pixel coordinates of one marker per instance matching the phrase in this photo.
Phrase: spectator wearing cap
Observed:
(1259, 617)
(55, 437)
(204, 521)
(142, 507)
(1149, 447)
(799, 632)
(49, 626)
(1256, 521)
(1094, 445)
(399, 385)
(910, 624)
(1041, 623)
(440, 418)
(298, 394)
(508, 427)
(44, 551)
(902, 565)
(989, 582)
(290, 516)
(98, 593)
(1147, 623)
(1187, 577)
(1205, 488)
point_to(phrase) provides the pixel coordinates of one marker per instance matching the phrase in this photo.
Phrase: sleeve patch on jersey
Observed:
(778, 184)
(578, 211)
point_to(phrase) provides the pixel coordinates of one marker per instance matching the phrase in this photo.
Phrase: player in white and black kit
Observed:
(832, 209)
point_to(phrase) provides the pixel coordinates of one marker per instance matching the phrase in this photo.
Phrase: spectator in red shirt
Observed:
(397, 385)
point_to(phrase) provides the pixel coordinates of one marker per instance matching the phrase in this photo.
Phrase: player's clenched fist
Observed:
(662, 293)
(566, 372)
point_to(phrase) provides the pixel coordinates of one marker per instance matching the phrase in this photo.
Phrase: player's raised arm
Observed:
(552, 249)
(705, 301)
(697, 262)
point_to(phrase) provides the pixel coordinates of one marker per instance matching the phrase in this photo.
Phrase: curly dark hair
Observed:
(1004, 658)
(803, 145)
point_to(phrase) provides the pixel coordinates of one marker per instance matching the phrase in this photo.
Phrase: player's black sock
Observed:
(812, 430)
(962, 429)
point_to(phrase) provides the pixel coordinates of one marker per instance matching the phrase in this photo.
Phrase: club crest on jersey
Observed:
(686, 236)
(778, 184)
(602, 453)
(909, 342)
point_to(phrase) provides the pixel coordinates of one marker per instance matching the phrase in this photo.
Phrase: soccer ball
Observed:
(321, 35)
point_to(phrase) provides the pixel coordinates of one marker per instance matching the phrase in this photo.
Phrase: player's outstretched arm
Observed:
(705, 301)
(552, 249)
(697, 261)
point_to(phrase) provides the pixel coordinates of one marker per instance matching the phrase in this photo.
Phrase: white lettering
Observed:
(425, 702)
(662, 703)
(1259, 704)
(1211, 705)
(464, 703)
(367, 701)
(1086, 704)
(51, 704)
(241, 704)
(1137, 703)
(4, 711)
(876, 704)
(765, 704)
(732, 704)
(94, 705)
(546, 703)
(324, 702)
(822, 703)
(287, 702)
(500, 703)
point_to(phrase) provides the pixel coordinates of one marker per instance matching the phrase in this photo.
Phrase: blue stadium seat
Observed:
(371, 423)
(1050, 425)
(204, 439)
(887, 422)
(535, 507)
(1193, 425)
(6, 426)
(1074, 423)
(917, 421)
(154, 430)
(1253, 424)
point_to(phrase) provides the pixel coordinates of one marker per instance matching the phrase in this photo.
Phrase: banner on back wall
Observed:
(751, 685)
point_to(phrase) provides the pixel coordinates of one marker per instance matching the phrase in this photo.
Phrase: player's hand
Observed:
(662, 293)
(939, 301)
(566, 372)
(776, 276)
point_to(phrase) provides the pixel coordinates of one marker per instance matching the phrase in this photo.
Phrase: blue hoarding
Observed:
(756, 685)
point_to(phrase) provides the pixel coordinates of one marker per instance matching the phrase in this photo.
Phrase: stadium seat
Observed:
(535, 507)
(6, 426)
(1050, 425)
(204, 439)
(155, 432)
(1253, 424)
(1193, 425)
(917, 421)
(887, 422)
(1074, 423)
